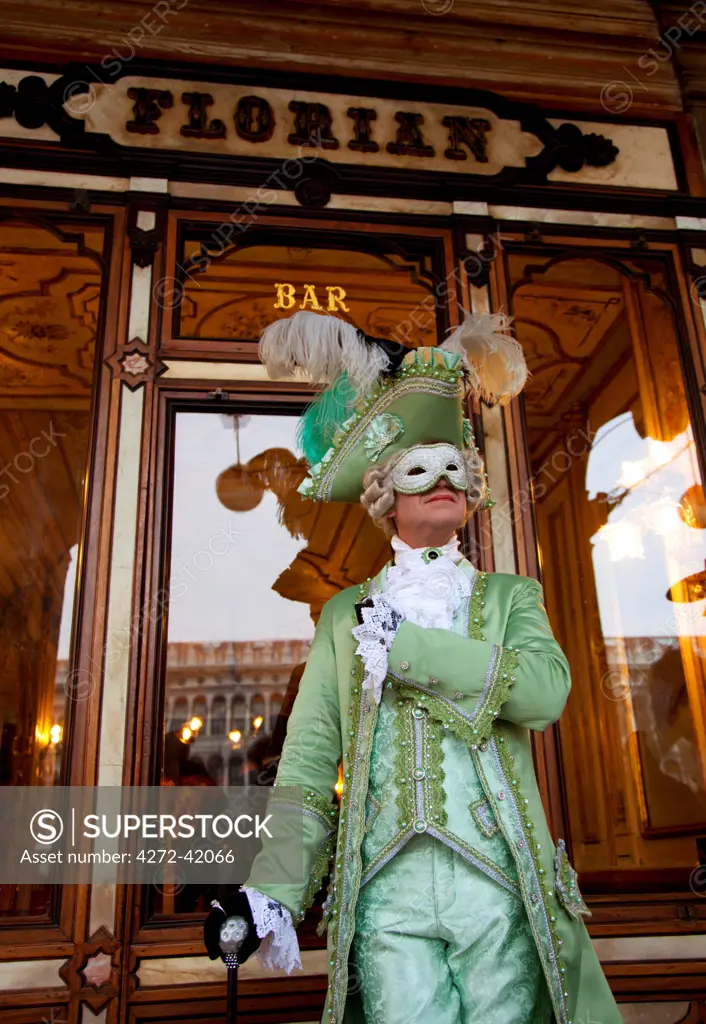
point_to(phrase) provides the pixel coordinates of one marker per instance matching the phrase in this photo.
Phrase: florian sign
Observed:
(310, 124)
(282, 124)
(146, 113)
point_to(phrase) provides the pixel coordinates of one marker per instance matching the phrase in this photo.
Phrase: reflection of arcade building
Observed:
(234, 690)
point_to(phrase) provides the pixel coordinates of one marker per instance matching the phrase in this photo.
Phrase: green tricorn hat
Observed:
(382, 398)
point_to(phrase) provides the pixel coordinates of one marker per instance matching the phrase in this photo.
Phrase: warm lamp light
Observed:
(55, 734)
(235, 736)
(186, 734)
(195, 724)
(257, 722)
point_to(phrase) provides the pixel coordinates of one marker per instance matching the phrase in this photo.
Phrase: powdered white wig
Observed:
(378, 495)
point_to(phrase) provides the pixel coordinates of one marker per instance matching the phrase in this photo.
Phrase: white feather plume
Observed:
(322, 347)
(494, 359)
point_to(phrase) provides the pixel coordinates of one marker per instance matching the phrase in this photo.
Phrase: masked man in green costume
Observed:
(448, 901)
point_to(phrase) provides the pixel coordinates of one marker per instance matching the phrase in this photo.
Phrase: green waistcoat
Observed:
(476, 695)
(422, 779)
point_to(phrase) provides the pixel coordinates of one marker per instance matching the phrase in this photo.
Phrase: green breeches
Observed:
(438, 941)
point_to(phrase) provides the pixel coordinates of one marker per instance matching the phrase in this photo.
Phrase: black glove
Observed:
(392, 616)
(367, 603)
(234, 904)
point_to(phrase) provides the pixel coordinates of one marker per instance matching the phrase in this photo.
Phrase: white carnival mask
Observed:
(420, 468)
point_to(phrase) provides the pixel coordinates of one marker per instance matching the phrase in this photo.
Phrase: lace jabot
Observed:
(426, 585)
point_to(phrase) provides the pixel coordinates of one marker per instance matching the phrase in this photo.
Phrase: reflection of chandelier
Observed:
(692, 511)
(692, 588)
(240, 487)
(237, 487)
(692, 507)
(278, 469)
(237, 490)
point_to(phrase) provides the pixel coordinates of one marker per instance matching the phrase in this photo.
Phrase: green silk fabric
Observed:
(334, 720)
(435, 940)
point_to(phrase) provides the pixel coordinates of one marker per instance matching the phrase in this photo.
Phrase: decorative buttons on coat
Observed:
(404, 665)
(484, 746)
(458, 695)
(433, 681)
(418, 712)
(419, 774)
(501, 794)
(420, 825)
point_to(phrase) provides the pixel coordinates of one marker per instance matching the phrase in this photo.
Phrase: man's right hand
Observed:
(234, 904)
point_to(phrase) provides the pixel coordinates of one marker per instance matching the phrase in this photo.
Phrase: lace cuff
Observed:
(375, 635)
(279, 947)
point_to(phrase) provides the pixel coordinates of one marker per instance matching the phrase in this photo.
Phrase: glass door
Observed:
(618, 502)
(248, 563)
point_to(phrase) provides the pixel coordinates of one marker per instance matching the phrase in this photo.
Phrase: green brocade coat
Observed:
(507, 675)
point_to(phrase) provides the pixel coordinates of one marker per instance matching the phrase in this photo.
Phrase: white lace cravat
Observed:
(375, 635)
(425, 586)
(427, 590)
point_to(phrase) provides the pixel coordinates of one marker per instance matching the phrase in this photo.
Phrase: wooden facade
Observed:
(172, 179)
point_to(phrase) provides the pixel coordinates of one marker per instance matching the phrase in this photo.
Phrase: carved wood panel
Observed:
(49, 299)
(236, 296)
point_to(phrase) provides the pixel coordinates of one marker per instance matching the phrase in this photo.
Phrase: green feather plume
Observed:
(323, 417)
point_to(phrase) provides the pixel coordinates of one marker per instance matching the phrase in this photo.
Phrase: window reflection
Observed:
(620, 517)
(233, 640)
(49, 304)
(653, 636)
(251, 565)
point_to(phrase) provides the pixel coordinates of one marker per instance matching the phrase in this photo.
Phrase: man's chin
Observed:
(443, 513)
